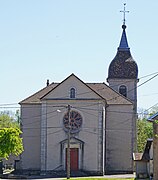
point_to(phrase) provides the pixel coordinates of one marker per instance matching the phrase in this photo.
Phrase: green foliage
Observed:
(144, 131)
(7, 121)
(99, 178)
(10, 142)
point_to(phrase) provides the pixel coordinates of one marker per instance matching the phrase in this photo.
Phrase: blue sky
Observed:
(50, 39)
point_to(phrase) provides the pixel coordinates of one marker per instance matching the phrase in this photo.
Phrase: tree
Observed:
(10, 142)
(144, 128)
(144, 131)
(7, 120)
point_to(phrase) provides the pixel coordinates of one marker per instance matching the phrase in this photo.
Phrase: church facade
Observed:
(95, 121)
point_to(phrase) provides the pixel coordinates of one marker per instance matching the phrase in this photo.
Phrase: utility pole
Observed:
(68, 144)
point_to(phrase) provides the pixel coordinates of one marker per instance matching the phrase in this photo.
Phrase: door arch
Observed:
(76, 154)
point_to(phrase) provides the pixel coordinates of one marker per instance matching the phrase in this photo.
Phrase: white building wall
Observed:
(31, 124)
(119, 138)
(131, 85)
(89, 134)
(63, 91)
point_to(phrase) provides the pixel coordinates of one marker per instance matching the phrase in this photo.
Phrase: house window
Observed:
(123, 90)
(72, 93)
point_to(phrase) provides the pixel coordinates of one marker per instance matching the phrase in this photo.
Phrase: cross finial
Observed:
(124, 13)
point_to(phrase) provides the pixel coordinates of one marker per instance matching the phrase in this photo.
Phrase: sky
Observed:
(50, 39)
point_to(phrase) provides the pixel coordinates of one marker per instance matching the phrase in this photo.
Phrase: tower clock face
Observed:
(74, 122)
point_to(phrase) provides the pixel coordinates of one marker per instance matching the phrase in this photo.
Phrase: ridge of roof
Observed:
(101, 89)
(151, 118)
(76, 78)
(35, 98)
(111, 98)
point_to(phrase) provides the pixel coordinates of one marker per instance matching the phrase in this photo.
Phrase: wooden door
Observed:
(73, 159)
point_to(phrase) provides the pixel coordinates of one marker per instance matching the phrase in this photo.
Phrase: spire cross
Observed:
(124, 13)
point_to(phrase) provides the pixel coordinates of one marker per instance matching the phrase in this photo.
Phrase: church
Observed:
(94, 122)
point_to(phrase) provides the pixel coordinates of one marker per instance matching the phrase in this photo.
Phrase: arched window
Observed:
(123, 90)
(72, 93)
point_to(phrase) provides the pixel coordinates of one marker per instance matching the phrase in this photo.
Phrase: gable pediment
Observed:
(84, 91)
(62, 91)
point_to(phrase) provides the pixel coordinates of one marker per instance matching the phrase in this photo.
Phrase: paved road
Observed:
(124, 176)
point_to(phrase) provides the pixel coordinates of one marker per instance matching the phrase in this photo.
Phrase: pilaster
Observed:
(44, 137)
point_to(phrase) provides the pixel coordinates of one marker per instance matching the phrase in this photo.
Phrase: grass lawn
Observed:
(105, 179)
(102, 179)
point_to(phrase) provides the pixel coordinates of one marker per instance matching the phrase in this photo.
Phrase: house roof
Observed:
(101, 89)
(153, 117)
(35, 98)
(77, 79)
(111, 96)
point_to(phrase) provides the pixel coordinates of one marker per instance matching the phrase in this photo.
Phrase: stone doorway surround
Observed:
(75, 143)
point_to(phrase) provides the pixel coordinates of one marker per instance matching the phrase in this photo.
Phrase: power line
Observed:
(148, 80)
(47, 134)
(85, 105)
(152, 107)
(4, 105)
(148, 75)
(11, 104)
(149, 94)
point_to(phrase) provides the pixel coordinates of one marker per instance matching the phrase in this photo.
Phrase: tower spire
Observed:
(124, 13)
(123, 43)
(123, 65)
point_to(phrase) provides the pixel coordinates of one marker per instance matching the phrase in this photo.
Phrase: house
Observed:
(96, 121)
(154, 119)
(144, 161)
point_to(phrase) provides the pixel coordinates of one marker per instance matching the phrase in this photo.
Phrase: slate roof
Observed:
(103, 90)
(123, 43)
(111, 96)
(153, 117)
(123, 65)
(35, 98)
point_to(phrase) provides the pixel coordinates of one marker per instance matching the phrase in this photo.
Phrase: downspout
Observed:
(104, 117)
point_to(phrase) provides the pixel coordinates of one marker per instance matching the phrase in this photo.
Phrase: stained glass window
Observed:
(74, 122)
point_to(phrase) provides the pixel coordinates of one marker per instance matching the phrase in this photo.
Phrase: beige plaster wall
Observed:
(63, 91)
(31, 115)
(89, 133)
(119, 139)
(131, 85)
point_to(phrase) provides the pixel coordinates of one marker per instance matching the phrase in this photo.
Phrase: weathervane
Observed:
(124, 13)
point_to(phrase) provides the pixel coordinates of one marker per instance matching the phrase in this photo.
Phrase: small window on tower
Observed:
(123, 90)
(72, 93)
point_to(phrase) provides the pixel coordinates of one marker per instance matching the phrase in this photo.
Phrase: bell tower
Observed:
(123, 70)
(123, 76)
